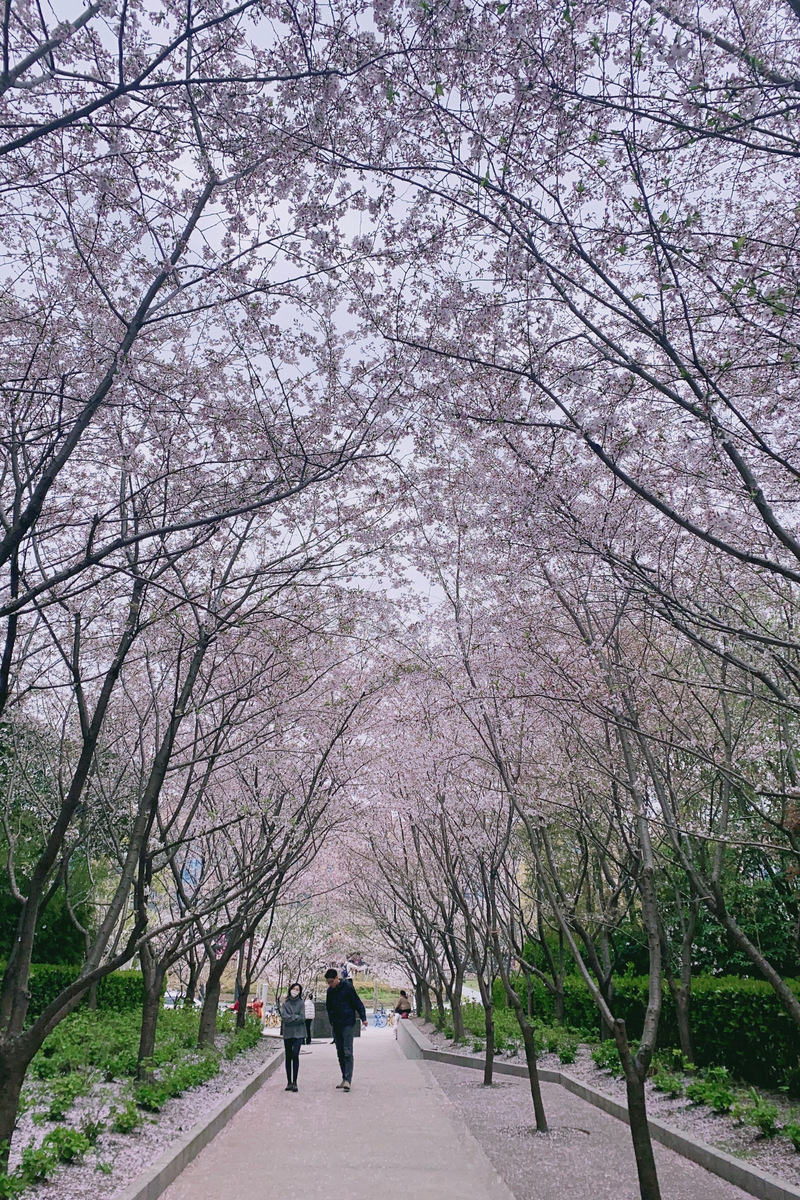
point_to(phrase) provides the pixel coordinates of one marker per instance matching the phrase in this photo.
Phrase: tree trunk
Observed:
(426, 1003)
(682, 997)
(455, 1004)
(147, 1033)
(526, 1029)
(153, 973)
(241, 1015)
(195, 967)
(488, 1062)
(208, 1017)
(640, 1133)
(13, 1065)
(533, 1073)
(558, 1001)
(440, 1013)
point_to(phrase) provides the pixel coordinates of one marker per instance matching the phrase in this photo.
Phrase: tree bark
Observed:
(440, 1013)
(682, 997)
(195, 961)
(637, 1110)
(149, 1027)
(208, 1017)
(488, 1062)
(13, 1065)
(533, 1072)
(241, 1015)
(455, 1005)
(526, 1029)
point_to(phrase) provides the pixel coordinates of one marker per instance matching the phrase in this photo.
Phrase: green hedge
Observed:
(121, 991)
(736, 1023)
(580, 1010)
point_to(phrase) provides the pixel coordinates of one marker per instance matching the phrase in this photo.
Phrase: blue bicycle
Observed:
(381, 1018)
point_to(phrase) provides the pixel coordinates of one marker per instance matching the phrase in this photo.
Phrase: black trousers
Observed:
(343, 1037)
(291, 1047)
(308, 1030)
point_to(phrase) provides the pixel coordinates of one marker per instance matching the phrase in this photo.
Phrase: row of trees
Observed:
(185, 447)
(516, 283)
(573, 773)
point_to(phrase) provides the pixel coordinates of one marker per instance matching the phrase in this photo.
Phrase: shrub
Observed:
(558, 1040)
(152, 1096)
(568, 1053)
(121, 991)
(762, 1115)
(191, 1074)
(669, 1084)
(606, 1057)
(63, 1094)
(185, 1074)
(250, 1035)
(714, 1090)
(67, 1144)
(736, 1023)
(91, 1130)
(37, 1163)
(125, 1119)
(791, 1130)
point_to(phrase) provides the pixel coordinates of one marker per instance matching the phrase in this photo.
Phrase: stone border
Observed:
(415, 1044)
(151, 1183)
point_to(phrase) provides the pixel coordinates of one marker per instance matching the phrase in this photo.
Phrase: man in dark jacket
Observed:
(344, 1006)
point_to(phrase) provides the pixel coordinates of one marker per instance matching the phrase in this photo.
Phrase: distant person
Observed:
(344, 1005)
(293, 1032)
(403, 1006)
(310, 1014)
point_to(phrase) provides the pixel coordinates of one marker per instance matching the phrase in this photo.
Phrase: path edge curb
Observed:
(415, 1044)
(165, 1170)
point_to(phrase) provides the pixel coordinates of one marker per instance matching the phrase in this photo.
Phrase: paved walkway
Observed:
(411, 1130)
(394, 1136)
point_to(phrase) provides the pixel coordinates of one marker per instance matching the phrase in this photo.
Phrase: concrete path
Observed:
(411, 1130)
(394, 1136)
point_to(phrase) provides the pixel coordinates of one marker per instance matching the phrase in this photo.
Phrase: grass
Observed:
(387, 996)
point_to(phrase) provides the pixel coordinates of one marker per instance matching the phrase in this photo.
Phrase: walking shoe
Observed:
(343, 1084)
(345, 1087)
(294, 1087)
(288, 1087)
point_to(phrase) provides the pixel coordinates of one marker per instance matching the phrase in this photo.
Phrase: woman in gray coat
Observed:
(293, 1032)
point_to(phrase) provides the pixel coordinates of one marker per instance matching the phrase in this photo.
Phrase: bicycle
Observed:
(273, 1019)
(381, 1019)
